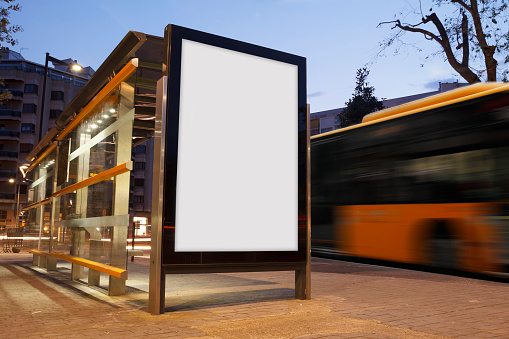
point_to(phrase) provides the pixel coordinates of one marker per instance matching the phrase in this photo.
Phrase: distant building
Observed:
(20, 119)
(326, 121)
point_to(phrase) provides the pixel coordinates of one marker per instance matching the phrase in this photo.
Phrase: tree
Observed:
(363, 101)
(473, 36)
(6, 35)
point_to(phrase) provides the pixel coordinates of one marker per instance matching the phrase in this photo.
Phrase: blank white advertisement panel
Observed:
(237, 187)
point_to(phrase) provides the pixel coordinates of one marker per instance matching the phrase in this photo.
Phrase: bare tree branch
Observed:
(463, 4)
(488, 51)
(464, 40)
(412, 28)
(477, 29)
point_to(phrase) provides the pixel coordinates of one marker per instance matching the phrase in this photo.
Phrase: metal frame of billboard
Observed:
(164, 258)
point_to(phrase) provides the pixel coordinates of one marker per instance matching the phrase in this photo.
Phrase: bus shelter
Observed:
(222, 200)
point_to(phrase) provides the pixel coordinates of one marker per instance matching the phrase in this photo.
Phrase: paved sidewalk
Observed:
(349, 300)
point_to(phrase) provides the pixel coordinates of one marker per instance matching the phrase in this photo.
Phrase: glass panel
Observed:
(83, 219)
(100, 199)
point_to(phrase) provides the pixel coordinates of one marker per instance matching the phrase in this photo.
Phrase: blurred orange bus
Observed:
(426, 182)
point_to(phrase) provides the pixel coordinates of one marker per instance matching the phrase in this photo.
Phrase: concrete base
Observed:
(39, 261)
(77, 272)
(94, 277)
(116, 286)
(51, 263)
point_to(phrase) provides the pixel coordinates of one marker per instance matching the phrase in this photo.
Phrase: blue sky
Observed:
(336, 36)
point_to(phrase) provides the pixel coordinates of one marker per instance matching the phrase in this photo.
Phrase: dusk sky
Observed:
(336, 36)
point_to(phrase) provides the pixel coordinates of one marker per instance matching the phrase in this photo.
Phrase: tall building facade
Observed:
(22, 124)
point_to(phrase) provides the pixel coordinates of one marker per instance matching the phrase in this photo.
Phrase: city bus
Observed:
(424, 183)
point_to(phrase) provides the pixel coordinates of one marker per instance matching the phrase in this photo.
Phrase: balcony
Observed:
(8, 155)
(16, 95)
(7, 197)
(9, 135)
(10, 114)
(6, 175)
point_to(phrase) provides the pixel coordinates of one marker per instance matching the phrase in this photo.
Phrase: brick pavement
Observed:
(349, 300)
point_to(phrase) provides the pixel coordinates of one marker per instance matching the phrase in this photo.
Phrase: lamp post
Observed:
(16, 212)
(74, 66)
(22, 169)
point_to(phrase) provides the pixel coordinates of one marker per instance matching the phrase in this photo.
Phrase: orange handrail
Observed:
(126, 167)
(114, 271)
(36, 204)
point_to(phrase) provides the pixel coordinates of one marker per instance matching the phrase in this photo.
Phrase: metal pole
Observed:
(132, 244)
(41, 119)
(17, 205)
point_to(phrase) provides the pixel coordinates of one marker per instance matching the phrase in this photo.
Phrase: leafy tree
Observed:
(6, 35)
(363, 101)
(473, 37)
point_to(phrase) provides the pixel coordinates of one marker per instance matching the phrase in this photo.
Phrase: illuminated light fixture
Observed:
(112, 110)
(94, 126)
(71, 66)
(88, 130)
(105, 116)
(99, 121)
(11, 180)
(23, 169)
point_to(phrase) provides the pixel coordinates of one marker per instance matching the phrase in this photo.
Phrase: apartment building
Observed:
(21, 123)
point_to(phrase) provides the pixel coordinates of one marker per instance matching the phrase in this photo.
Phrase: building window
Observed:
(25, 148)
(27, 128)
(139, 182)
(140, 149)
(139, 165)
(29, 108)
(54, 113)
(31, 88)
(327, 129)
(3, 215)
(337, 122)
(138, 199)
(57, 95)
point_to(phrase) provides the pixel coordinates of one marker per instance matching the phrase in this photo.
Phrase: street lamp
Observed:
(22, 169)
(74, 66)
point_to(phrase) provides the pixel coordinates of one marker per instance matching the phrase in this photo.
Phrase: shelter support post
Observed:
(157, 276)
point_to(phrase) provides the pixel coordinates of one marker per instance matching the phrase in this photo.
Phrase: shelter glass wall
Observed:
(91, 222)
(79, 196)
(37, 213)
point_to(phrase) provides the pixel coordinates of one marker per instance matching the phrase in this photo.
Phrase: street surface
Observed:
(349, 300)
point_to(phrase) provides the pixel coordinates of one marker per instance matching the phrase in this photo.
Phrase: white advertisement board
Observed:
(237, 167)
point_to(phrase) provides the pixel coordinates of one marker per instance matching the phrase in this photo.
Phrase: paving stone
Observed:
(349, 300)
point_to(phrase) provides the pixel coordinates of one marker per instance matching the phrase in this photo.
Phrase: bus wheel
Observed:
(443, 248)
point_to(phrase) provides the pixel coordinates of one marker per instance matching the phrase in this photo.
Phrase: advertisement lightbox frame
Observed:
(179, 71)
